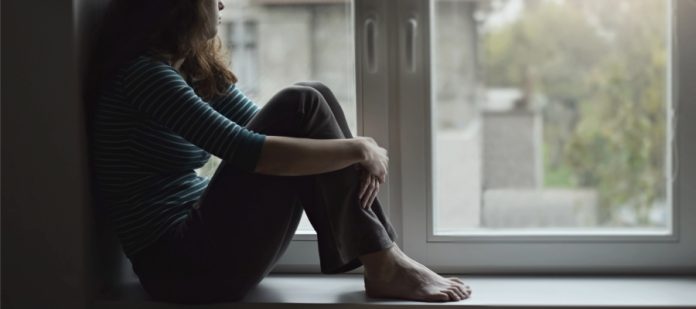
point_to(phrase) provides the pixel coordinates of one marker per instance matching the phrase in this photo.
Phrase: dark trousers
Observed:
(244, 221)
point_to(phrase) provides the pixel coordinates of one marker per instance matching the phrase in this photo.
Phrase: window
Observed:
(524, 135)
(543, 135)
(550, 131)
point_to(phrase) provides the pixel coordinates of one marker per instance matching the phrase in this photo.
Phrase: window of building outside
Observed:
(241, 40)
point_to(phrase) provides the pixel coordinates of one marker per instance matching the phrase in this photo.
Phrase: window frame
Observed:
(393, 105)
(376, 91)
(485, 254)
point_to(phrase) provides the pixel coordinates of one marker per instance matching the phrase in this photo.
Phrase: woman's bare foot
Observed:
(391, 274)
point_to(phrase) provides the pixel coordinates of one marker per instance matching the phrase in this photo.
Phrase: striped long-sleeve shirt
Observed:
(150, 132)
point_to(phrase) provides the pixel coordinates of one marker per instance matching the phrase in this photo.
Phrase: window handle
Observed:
(370, 44)
(411, 31)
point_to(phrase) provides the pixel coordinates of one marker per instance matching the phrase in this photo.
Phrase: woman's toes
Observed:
(440, 297)
(462, 293)
(460, 283)
(460, 290)
(452, 294)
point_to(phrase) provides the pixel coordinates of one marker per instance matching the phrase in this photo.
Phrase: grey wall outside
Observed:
(455, 64)
(301, 42)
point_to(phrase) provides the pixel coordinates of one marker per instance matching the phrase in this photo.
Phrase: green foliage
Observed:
(558, 176)
(602, 66)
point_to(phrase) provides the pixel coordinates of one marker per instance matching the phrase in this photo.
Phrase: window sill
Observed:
(346, 290)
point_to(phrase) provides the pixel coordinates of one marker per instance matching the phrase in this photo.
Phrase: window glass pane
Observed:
(275, 43)
(550, 114)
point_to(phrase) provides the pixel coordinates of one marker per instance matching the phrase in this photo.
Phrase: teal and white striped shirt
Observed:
(150, 132)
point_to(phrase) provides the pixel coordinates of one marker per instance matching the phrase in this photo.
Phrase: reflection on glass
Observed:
(275, 43)
(550, 114)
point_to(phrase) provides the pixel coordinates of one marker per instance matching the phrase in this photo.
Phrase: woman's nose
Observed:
(221, 6)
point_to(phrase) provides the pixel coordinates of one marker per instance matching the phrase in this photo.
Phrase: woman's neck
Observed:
(177, 66)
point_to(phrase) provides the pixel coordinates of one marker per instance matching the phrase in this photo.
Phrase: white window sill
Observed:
(346, 290)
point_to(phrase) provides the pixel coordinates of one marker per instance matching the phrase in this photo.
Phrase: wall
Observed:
(45, 213)
(108, 265)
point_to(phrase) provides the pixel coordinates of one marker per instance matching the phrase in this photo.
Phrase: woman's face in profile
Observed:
(212, 10)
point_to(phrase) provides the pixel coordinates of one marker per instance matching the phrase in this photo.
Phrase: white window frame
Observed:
(393, 100)
(375, 90)
(393, 90)
(673, 252)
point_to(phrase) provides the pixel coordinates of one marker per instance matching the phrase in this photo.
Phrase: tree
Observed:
(602, 66)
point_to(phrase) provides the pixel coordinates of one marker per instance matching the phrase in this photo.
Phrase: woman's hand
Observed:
(373, 170)
(369, 186)
(376, 160)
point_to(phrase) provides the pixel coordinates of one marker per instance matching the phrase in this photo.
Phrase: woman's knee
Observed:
(293, 108)
(321, 87)
(296, 95)
(302, 99)
(325, 92)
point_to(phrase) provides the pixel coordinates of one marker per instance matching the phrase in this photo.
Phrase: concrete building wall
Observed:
(298, 42)
(455, 62)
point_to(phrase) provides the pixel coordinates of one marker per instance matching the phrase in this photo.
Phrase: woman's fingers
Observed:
(373, 189)
(364, 188)
(369, 187)
(366, 197)
(375, 183)
(376, 191)
(364, 184)
(370, 192)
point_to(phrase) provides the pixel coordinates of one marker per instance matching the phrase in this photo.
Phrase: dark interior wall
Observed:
(46, 219)
(108, 263)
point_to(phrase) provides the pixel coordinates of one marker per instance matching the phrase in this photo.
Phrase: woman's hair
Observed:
(172, 29)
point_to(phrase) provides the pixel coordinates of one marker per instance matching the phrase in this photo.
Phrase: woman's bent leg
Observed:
(333, 104)
(340, 118)
(245, 221)
(344, 229)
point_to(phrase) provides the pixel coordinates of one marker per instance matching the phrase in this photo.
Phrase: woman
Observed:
(167, 101)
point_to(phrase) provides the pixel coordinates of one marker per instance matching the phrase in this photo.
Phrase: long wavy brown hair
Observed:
(172, 29)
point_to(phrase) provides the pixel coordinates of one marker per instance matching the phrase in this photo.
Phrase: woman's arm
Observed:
(235, 105)
(158, 91)
(291, 156)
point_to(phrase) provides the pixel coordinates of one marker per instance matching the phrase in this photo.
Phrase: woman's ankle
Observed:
(379, 262)
(377, 256)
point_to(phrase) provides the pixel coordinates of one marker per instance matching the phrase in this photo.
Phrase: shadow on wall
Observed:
(110, 267)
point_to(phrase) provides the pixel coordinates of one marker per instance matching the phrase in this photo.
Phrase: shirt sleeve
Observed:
(235, 105)
(158, 90)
